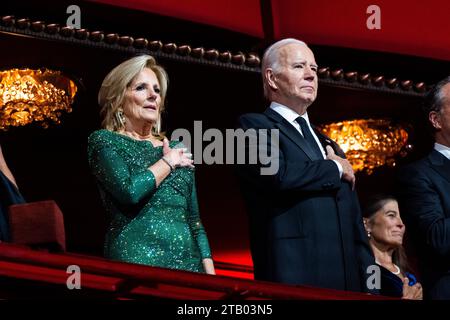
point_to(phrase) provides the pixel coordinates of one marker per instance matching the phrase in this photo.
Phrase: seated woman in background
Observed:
(147, 184)
(385, 230)
(9, 194)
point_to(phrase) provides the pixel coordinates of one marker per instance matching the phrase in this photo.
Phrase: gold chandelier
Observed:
(34, 96)
(369, 143)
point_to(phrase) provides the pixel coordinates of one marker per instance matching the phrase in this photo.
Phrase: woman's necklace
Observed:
(396, 267)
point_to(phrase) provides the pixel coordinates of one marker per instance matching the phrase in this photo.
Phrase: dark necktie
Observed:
(309, 137)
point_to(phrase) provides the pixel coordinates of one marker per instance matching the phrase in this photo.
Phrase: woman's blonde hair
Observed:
(112, 91)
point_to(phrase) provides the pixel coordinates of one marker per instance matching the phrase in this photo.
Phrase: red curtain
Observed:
(407, 27)
(237, 15)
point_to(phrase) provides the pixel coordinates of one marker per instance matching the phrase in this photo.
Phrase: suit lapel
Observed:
(440, 164)
(284, 126)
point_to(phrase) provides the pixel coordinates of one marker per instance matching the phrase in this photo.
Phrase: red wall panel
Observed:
(420, 28)
(237, 15)
(407, 27)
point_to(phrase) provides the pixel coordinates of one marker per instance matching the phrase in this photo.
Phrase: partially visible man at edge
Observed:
(424, 198)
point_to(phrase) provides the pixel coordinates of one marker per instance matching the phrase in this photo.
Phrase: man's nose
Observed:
(309, 73)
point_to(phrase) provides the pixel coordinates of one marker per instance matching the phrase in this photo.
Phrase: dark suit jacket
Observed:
(424, 198)
(305, 223)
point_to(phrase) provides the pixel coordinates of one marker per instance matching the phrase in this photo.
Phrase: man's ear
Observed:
(435, 119)
(271, 78)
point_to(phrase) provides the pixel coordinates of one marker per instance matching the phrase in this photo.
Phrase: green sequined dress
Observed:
(158, 226)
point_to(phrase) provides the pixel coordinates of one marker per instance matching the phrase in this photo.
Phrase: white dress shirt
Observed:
(442, 149)
(291, 116)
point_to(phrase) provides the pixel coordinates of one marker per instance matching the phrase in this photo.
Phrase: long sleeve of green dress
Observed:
(197, 227)
(115, 176)
(158, 226)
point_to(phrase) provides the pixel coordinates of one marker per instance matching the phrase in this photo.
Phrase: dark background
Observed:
(52, 163)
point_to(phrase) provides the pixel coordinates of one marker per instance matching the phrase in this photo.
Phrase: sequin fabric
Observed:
(158, 226)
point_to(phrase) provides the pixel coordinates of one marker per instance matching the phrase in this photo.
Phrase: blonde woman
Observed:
(146, 182)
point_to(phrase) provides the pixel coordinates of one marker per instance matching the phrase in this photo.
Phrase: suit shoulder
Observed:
(415, 165)
(417, 170)
(252, 120)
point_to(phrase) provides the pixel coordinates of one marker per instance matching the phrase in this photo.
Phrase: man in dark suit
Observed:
(305, 222)
(424, 198)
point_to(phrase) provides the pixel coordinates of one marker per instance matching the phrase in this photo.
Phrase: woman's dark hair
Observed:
(371, 207)
(375, 203)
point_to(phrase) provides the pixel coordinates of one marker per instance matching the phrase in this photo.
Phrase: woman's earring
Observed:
(369, 234)
(121, 117)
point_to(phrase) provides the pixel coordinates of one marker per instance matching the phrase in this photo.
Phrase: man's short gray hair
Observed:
(271, 59)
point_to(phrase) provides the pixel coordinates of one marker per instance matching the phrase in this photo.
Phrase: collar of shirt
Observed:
(442, 149)
(289, 114)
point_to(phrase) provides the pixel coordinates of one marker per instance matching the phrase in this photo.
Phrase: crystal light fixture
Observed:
(369, 143)
(28, 96)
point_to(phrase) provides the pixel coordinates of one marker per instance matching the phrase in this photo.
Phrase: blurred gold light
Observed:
(34, 95)
(370, 143)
